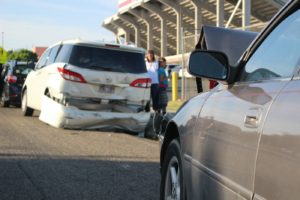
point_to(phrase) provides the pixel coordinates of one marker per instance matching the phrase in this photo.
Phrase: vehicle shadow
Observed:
(77, 177)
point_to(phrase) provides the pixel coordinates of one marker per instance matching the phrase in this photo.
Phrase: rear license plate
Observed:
(106, 89)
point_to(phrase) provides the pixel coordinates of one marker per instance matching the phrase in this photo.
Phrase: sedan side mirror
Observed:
(209, 64)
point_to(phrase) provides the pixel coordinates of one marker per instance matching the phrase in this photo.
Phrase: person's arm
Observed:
(156, 65)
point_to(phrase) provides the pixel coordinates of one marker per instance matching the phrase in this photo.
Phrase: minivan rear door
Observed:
(111, 73)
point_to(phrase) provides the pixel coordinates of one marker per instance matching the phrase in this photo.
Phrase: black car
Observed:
(12, 77)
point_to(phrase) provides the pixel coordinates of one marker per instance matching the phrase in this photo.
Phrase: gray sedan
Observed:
(240, 140)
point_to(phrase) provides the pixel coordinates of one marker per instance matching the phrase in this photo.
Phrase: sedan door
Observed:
(226, 140)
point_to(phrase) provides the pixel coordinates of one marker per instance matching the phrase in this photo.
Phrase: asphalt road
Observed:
(39, 162)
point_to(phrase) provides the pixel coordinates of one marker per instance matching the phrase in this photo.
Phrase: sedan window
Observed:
(278, 56)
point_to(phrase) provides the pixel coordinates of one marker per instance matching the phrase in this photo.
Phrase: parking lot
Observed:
(38, 161)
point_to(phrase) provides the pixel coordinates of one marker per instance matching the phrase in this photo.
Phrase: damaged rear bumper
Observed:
(61, 116)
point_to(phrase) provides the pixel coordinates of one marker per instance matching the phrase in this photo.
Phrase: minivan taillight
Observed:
(11, 79)
(70, 75)
(141, 83)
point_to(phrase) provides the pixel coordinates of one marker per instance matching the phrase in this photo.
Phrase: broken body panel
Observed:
(61, 116)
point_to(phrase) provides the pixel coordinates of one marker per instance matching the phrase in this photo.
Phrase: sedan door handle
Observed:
(251, 122)
(252, 119)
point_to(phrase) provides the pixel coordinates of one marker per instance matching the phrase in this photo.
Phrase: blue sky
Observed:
(28, 23)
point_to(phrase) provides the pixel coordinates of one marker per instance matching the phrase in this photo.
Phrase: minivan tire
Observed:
(172, 164)
(25, 109)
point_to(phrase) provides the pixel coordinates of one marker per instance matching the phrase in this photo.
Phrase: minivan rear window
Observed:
(107, 59)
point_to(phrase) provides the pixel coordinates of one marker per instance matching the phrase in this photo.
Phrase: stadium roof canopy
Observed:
(171, 27)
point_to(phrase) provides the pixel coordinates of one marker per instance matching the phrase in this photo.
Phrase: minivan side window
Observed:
(64, 53)
(279, 54)
(53, 54)
(42, 61)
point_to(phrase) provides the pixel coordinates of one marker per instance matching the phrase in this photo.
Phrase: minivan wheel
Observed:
(25, 109)
(4, 103)
(171, 187)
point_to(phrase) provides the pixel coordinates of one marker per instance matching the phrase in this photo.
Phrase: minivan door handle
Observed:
(253, 118)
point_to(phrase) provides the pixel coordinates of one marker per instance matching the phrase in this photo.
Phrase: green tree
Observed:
(22, 54)
(3, 56)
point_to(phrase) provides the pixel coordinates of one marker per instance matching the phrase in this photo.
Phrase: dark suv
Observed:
(12, 77)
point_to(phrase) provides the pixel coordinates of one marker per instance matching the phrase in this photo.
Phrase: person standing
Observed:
(152, 67)
(162, 86)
